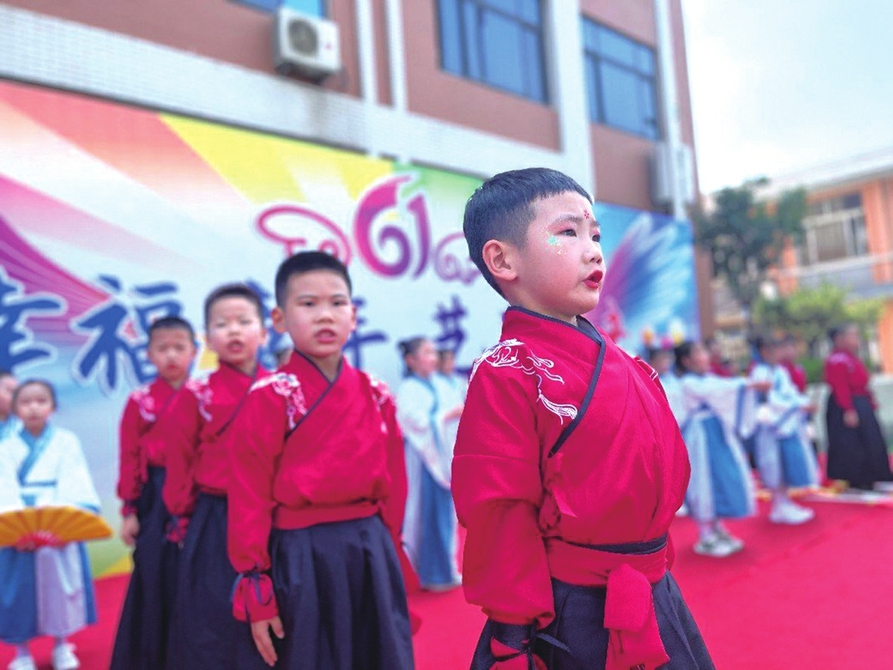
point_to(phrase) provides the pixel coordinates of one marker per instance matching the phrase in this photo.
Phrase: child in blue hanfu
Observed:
(428, 410)
(8, 420)
(713, 414)
(784, 454)
(47, 587)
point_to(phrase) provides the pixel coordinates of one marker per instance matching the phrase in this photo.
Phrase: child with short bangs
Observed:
(318, 493)
(569, 466)
(195, 490)
(145, 625)
(47, 583)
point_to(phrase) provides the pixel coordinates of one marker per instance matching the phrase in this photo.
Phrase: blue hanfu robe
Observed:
(714, 413)
(48, 591)
(430, 526)
(783, 451)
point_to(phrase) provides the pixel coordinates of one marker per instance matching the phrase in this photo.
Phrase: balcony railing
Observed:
(865, 276)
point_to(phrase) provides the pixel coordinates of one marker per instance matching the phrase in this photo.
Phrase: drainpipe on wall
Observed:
(368, 77)
(564, 48)
(397, 62)
(670, 105)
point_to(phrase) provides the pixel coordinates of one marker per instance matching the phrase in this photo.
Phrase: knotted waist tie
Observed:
(627, 571)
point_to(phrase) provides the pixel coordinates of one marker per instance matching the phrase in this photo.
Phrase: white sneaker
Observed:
(713, 546)
(734, 543)
(64, 658)
(790, 513)
(22, 663)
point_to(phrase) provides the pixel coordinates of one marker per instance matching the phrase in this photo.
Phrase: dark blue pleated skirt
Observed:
(858, 455)
(206, 636)
(144, 629)
(579, 624)
(341, 598)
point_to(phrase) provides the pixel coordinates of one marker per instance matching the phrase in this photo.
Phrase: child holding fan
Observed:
(47, 584)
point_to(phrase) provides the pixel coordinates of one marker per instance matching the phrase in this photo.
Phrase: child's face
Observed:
(560, 270)
(423, 361)
(235, 332)
(446, 362)
(7, 387)
(171, 350)
(699, 359)
(661, 362)
(318, 315)
(769, 353)
(34, 405)
(849, 339)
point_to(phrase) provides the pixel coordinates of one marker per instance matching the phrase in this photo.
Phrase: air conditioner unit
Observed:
(305, 45)
(661, 171)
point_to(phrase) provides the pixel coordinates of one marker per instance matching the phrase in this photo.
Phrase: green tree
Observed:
(745, 237)
(808, 313)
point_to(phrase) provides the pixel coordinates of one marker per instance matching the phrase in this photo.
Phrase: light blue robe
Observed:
(48, 591)
(430, 526)
(714, 413)
(784, 454)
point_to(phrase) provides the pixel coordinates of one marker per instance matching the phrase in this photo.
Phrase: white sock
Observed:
(705, 529)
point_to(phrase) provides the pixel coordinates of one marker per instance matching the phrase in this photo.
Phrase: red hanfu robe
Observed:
(564, 441)
(797, 373)
(310, 451)
(144, 432)
(848, 377)
(201, 417)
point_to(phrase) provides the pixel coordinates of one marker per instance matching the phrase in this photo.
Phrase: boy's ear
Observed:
(500, 259)
(278, 318)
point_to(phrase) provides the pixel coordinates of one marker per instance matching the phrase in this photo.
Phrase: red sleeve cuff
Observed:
(176, 529)
(128, 508)
(253, 598)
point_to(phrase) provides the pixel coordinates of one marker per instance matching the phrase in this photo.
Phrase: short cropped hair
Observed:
(835, 331)
(171, 323)
(502, 208)
(304, 262)
(35, 382)
(681, 352)
(236, 290)
(4, 373)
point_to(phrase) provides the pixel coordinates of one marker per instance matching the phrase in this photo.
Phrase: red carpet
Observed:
(811, 596)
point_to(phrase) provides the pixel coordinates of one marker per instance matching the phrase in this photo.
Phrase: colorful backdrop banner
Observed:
(112, 216)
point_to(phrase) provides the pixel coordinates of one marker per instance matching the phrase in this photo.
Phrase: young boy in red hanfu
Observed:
(569, 466)
(144, 627)
(857, 450)
(198, 478)
(318, 492)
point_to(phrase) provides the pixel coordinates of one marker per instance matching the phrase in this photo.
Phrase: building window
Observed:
(497, 42)
(310, 7)
(620, 81)
(835, 229)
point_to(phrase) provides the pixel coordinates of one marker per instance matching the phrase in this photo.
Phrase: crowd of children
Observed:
(279, 518)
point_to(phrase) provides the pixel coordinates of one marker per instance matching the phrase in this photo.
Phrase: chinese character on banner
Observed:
(275, 341)
(358, 339)
(449, 318)
(118, 332)
(17, 346)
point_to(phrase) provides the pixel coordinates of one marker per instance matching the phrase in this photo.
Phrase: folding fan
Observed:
(69, 524)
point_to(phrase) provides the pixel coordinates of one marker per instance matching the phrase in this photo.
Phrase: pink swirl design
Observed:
(338, 245)
(376, 201)
(450, 266)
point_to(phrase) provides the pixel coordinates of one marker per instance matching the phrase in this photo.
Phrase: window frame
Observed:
(262, 6)
(650, 126)
(538, 92)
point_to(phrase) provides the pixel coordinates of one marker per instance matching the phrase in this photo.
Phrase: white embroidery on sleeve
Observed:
(507, 354)
(287, 386)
